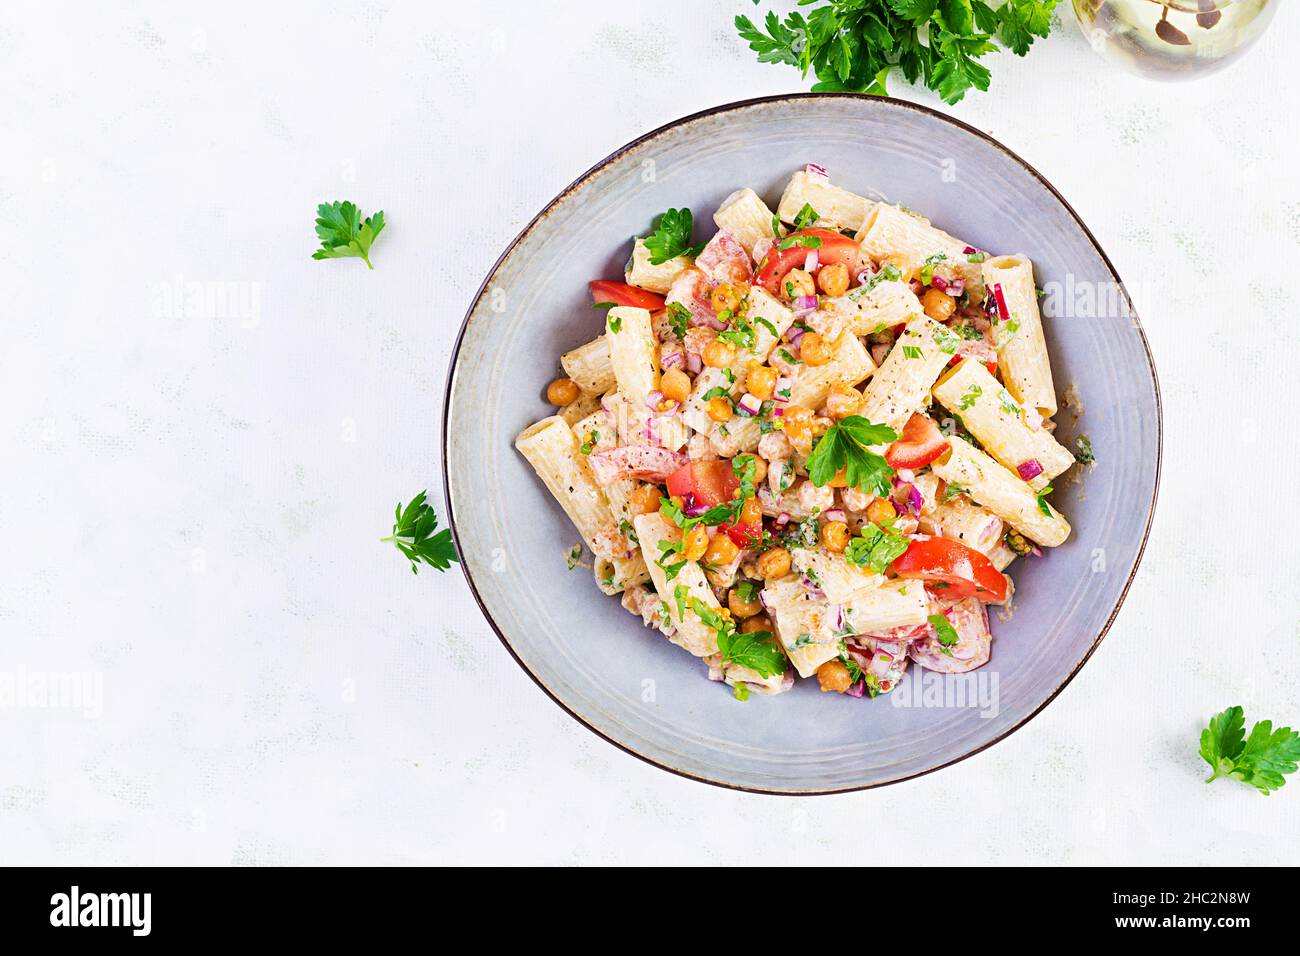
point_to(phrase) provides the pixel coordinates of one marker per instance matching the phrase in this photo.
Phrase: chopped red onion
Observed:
(782, 519)
(939, 282)
(694, 364)
(1029, 470)
(802, 306)
(857, 690)
(713, 322)
(694, 510)
(810, 261)
(672, 359)
(835, 514)
(956, 287)
(968, 250)
(749, 404)
(1001, 301)
(653, 398)
(812, 169)
(778, 412)
(793, 335)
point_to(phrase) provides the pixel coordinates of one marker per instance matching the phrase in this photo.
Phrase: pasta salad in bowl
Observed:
(811, 446)
(847, 409)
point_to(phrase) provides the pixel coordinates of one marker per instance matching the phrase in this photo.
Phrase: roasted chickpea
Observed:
(644, 500)
(761, 381)
(833, 279)
(719, 409)
(881, 511)
(797, 426)
(676, 385)
(833, 676)
(751, 512)
(695, 543)
(719, 354)
(774, 563)
(727, 297)
(722, 550)
(814, 350)
(843, 401)
(938, 305)
(797, 283)
(740, 608)
(759, 622)
(562, 391)
(835, 536)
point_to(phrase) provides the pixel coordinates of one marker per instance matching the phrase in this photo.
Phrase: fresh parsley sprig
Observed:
(344, 234)
(756, 649)
(845, 445)
(413, 534)
(672, 237)
(1261, 760)
(854, 44)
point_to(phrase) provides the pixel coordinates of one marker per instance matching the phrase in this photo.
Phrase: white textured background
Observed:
(191, 503)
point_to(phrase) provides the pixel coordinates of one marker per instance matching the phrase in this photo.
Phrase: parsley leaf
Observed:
(943, 630)
(1261, 760)
(805, 217)
(669, 549)
(413, 534)
(845, 445)
(672, 237)
(1043, 506)
(875, 548)
(855, 44)
(755, 649)
(343, 233)
(678, 317)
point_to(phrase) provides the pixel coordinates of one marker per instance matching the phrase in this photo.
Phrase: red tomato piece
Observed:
(708, 483)
(835, 248)
(953, 569)
(620, 293)
(920, 444)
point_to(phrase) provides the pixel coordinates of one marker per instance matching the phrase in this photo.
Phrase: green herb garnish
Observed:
(854, 44)
(344, 234)
(672, 237)
(413, 534)
(845, 445)
(1261, 760)
(875, 548)
(755, 649)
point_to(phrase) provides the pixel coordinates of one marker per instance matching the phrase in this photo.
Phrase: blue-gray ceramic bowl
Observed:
(627, 683)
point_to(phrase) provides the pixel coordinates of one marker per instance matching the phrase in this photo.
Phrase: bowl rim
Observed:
(564, 194)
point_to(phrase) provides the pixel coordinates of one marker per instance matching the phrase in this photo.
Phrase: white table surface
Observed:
(192, 500)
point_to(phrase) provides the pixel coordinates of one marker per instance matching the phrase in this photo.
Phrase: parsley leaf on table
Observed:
(845, 445)
(1261, 760)
(343, 233)
(854, 44)
(672, 237)
(413, 534)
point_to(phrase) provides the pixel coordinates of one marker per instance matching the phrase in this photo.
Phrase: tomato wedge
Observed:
(835, 248)
(706, 483)
(953, 569)
(920, 444)
(620, 293)
(709, 483)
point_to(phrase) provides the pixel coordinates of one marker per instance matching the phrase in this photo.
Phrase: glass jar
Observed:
(1173, 39)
